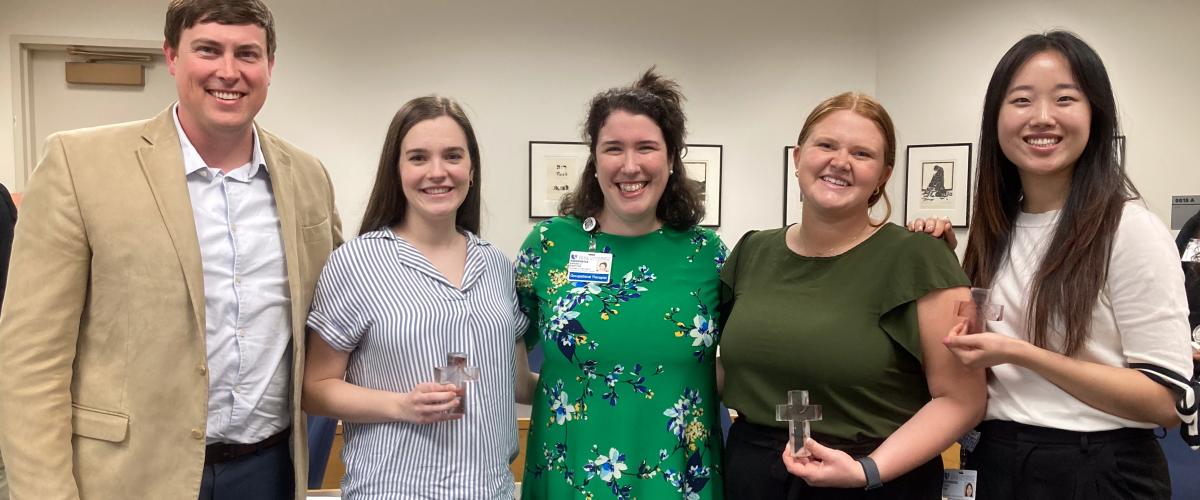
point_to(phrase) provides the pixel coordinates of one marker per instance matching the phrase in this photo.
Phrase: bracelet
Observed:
(871, 471)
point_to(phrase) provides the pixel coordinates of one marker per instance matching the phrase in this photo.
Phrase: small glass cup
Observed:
(457, 373)
(978, 310)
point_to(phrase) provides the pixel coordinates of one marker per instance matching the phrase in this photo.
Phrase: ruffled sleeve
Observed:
(919, 265)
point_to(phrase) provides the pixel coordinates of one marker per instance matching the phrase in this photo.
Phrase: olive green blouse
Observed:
(844, 328)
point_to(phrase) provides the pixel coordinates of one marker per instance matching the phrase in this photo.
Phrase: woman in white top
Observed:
(1092, 351)
(414, 286)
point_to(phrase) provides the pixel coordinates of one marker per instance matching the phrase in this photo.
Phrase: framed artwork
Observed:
(938, 182)
(793, 197)
(554, 169)
(1120, 149)
(702, 163)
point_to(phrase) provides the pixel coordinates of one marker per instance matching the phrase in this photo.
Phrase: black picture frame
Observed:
(713, 157)
(542, 154)
(925, 165)
(793, 197)
(566, 160)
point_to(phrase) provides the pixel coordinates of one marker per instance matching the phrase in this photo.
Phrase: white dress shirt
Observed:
(246, 301)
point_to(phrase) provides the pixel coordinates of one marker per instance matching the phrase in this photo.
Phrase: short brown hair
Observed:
(866, 107)
(659, 99)
(183, 14)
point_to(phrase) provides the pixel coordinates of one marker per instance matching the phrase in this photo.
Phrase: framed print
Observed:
(1120, 149)
(938, 182)
(702, 163)
(554, 169)
(793, 197)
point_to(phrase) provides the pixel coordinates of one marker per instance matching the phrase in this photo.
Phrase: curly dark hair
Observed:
(659, 99)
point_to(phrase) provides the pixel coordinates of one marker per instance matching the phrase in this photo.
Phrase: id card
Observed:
(959, 484)
(589, 267)
(1191, 253)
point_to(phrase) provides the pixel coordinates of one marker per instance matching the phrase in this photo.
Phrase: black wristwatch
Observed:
(871, 471)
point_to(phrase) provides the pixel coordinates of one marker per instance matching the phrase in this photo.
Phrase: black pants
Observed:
(263, 475)
(754, 470)
(1027, 462)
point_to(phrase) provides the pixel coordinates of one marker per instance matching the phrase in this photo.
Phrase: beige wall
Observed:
(936, 57)
(526, 69)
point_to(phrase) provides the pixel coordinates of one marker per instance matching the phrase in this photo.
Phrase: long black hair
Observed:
(1075, 266)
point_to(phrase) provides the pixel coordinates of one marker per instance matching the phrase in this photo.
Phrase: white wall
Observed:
(936, 57)
(526, 71)
(751, 71)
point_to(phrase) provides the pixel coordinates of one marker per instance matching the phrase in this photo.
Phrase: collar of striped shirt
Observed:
(411, 257)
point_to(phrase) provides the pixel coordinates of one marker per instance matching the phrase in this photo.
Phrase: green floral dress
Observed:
(627, 405)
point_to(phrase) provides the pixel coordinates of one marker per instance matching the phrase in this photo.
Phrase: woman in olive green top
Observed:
(853, 311)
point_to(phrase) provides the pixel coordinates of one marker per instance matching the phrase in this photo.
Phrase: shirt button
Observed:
(202, 369)
(197, 434)
(241, 332)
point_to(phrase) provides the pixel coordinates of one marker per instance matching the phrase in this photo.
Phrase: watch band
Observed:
(871, 471)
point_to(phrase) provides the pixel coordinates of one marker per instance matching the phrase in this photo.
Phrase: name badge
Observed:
(589, 267)
(959, 484)
(1191, 253)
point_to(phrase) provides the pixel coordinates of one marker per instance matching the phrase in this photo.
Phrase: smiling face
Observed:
(632, 169)
(221, 73)
(1045, 119)
(841, 163)
(435, 169)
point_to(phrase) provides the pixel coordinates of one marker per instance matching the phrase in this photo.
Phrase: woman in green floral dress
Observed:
(621, 292)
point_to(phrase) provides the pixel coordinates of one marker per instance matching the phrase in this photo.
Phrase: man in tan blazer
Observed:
(151, 340)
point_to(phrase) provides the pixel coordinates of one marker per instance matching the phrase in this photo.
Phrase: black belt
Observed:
(1013, 431)
(218, 453)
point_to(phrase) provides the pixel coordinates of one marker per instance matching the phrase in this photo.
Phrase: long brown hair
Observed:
(1066, 285)
(659, 99)
(387, 205)
(866, 107)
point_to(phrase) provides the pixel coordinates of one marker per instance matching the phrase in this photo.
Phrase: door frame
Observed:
(24, 143)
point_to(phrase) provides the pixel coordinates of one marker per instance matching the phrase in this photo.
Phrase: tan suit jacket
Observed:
(104, 392)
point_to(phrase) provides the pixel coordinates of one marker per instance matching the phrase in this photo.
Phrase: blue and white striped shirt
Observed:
(381, 300)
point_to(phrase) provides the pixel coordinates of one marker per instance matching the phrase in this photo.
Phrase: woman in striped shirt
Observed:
(415, 285)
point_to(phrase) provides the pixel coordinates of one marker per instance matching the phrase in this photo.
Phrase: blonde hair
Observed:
(866, 107)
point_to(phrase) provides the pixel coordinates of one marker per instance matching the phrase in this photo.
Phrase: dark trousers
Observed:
(263, 475)
(754, 470)
(1033, 463)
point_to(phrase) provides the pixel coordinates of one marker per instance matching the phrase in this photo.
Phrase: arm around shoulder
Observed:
(525, 379)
